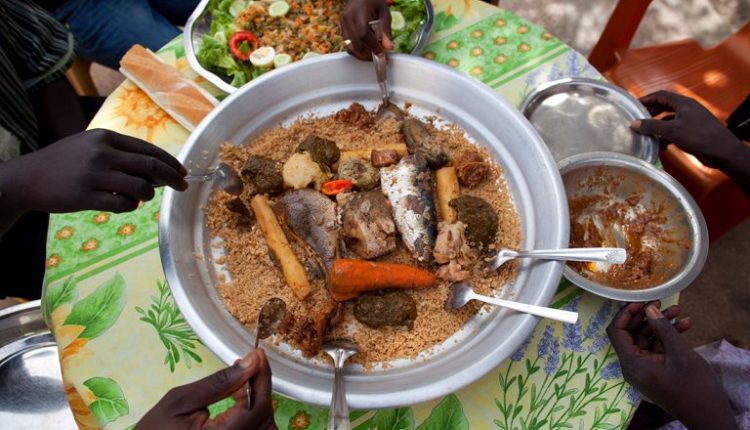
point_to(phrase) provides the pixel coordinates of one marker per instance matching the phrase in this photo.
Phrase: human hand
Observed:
(356, 28)
(690, 126)
(659, 363)
(96, 169)
(184, 407)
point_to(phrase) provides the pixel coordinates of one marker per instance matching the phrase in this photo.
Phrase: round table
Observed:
(123, 343)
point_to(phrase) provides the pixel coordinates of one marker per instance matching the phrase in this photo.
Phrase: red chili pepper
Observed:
(331, 188)
(236, 40)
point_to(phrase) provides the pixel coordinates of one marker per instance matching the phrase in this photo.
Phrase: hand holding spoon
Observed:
(461, 293)
(386, 108)
(270, 317)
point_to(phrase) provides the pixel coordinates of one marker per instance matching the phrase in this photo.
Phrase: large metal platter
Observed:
(31, 388)
(199, 23)
(579, 115)
(322, 86)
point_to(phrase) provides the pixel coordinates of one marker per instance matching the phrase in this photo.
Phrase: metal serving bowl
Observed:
(322, 86)
(686, 224)
(199, 23)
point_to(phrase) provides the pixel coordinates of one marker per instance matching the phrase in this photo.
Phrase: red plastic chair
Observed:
(719, 78)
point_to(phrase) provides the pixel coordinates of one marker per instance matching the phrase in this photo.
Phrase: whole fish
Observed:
(408, 186)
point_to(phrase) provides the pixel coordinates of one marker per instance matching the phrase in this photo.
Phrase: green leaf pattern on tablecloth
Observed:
(80, 239)
(444, 21)
(492, 47)
(174, 332)
(389, 419)
(110, 402)
(448, 414)
(99, 310)
(56, 295)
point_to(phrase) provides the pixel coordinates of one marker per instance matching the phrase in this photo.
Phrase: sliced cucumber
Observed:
(278, 8)
(310, 55)
(281, 60)
(263, 56)
(237, 6)
(397, 20)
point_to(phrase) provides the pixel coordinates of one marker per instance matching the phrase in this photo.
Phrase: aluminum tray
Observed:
(31, 387)
(433, 89)
(199, 24)
(579, 115)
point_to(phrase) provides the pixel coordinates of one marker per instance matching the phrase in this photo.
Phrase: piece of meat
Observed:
(471, 168)
(312, 216)
(308, 332)
(356, 115)
(453, 252)
(384, 157)
(420, 141)
(368, 227)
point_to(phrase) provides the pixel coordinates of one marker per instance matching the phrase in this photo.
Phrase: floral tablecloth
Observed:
(123, 343)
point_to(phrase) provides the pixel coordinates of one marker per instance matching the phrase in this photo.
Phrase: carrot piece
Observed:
(349, 278)
(294, 272)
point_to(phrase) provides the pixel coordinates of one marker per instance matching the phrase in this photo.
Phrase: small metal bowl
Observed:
(686, 222)
(199, 23)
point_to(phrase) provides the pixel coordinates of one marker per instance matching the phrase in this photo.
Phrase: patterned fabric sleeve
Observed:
(35, 50)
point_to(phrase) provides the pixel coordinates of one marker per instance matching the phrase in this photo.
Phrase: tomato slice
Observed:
(235, 44)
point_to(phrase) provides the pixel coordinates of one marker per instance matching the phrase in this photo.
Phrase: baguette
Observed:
(182, 98)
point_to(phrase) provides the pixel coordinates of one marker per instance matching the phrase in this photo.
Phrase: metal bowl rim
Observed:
(434, 389)
(539, 91)
(699, 250)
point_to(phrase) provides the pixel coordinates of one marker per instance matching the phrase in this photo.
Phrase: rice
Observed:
(255, 278)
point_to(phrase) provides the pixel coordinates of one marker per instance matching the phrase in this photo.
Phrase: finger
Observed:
(354, 48)
(197, 395)
(684, 324)
(149, 168)
(385, 26)
(141, 147)
(366, 35)
(617, 331)
(131, 186)
(663, 101)
(111, 202)
(655, 127)
(663, 330)
(261, 385)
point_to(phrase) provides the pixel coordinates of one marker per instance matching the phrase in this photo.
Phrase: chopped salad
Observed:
(249, 38)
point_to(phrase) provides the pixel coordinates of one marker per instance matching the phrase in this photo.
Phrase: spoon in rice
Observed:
(270, 317)
(224, 175)
(340, 349)
(386, 108)
(462, 293)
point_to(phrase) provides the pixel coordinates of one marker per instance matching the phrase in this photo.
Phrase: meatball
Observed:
(262, 176)
(361, 172)
(384, 157)
(382, 309)
(322, 151)
(480, 220)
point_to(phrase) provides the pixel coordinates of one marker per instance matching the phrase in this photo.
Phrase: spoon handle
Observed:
(200, 178)
(608, 255)
(338, 416)
(540, 311)
(379, 61)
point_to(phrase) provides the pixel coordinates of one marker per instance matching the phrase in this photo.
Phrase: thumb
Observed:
(653, 127)
(385, 27)
(217, 386)
(663, 330)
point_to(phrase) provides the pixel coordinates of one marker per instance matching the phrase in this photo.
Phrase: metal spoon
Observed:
(224, 176)
(462, 293)
(607, 255)
(340, 350)
(270, 317)
(386, 108)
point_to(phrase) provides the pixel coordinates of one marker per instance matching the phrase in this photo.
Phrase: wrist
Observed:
(13, 201)
(734, 153)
